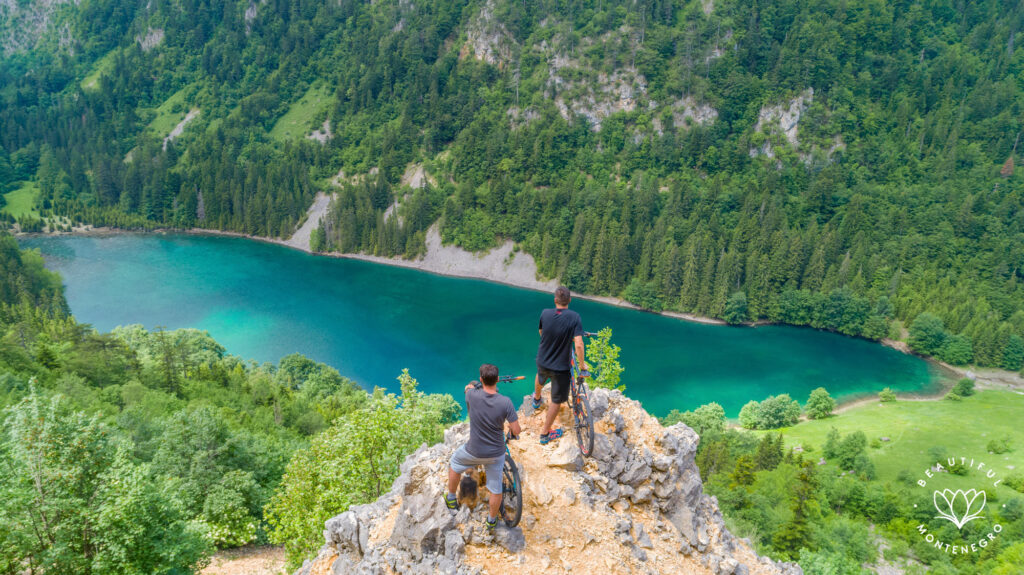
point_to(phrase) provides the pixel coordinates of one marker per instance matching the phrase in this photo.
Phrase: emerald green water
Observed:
(264, 301)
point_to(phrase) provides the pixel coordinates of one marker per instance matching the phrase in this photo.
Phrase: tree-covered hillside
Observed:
(834, 164)
(143, 451)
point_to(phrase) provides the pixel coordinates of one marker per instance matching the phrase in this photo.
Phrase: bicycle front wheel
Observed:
(511, 493)
(583, 422)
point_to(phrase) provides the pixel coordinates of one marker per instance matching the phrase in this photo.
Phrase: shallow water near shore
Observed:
(264, 301)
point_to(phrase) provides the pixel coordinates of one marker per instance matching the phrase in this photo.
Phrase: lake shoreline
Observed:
(988, 378)
(514, 281)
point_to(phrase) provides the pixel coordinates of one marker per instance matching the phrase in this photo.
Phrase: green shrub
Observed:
(1015, 482)
(772, 413)
(820, 404)
(964, 387)
(603, 357)
(706, 419)
(999, 446)
(750, 415)
(887, 395)
(228, 512)
(831, 447)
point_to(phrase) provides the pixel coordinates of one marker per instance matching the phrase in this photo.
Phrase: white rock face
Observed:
(25, 23)
(637, 506)
(687, 110)
(782, 120)
(578, 90)
(487, 39)
(786, 119)
(151, 39)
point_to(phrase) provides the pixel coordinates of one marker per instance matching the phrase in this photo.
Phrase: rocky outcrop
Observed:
(637, 506)
(151, 39)
(23, 24)
(687, 110)
(783, 121)
(487, 39)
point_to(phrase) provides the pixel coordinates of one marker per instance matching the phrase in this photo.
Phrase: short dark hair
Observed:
(562, 295)
(489, 374)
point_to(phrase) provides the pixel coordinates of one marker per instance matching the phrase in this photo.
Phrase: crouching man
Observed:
(488, 412)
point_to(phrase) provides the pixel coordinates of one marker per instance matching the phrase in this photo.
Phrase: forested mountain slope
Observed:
(836, 164)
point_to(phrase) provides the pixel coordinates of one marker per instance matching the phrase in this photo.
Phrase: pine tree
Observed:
(1013, 353)
(796, 534)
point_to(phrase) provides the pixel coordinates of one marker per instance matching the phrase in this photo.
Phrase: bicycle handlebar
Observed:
(508, 378)
(589, 334)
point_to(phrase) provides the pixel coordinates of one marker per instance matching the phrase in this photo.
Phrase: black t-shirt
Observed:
(558, 329)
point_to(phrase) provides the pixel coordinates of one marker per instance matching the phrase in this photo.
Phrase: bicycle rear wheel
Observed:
(511, 493)
(583, 423)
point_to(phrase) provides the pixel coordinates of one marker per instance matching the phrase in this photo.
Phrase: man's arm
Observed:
(516, 429)
(579, 352)
(469, 386)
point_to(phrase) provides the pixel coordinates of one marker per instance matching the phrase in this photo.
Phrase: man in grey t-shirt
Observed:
(488, 412)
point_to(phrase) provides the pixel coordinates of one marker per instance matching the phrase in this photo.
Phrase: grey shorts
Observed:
(461, 461)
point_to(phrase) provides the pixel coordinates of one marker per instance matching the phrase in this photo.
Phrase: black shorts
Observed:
(559, 383)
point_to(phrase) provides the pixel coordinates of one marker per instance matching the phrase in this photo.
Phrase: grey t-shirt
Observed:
(488, 413)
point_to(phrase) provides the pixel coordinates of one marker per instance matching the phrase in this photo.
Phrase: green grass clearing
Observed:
(169, 114)
(102, 66)
(962, 428)
(298, 120)
(19, 201)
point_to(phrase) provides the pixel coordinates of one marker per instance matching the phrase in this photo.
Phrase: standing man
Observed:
(488, 412)
(559, 328)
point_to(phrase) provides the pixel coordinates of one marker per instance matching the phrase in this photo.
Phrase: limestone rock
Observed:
(642, 481)
(566, 456)
(512, 539)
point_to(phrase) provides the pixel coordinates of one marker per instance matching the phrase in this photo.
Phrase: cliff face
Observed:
(637, 506)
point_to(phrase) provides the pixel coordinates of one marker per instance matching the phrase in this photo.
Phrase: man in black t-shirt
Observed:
(559, 329)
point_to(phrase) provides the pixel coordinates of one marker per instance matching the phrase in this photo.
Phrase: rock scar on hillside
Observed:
(637, 506)
(300, 239)
(500, 264)
(192, 114)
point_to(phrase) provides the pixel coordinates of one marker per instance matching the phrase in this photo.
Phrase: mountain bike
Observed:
(583, 421)
(511, 488)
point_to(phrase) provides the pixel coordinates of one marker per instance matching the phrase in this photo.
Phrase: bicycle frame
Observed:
(583, 423)
(578, 375)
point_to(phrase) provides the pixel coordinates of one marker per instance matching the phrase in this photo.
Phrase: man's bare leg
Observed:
(538, 385)
(495, 504)
(453, 481)
(549, 419)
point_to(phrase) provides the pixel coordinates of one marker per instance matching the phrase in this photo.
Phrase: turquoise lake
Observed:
(263, 301)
